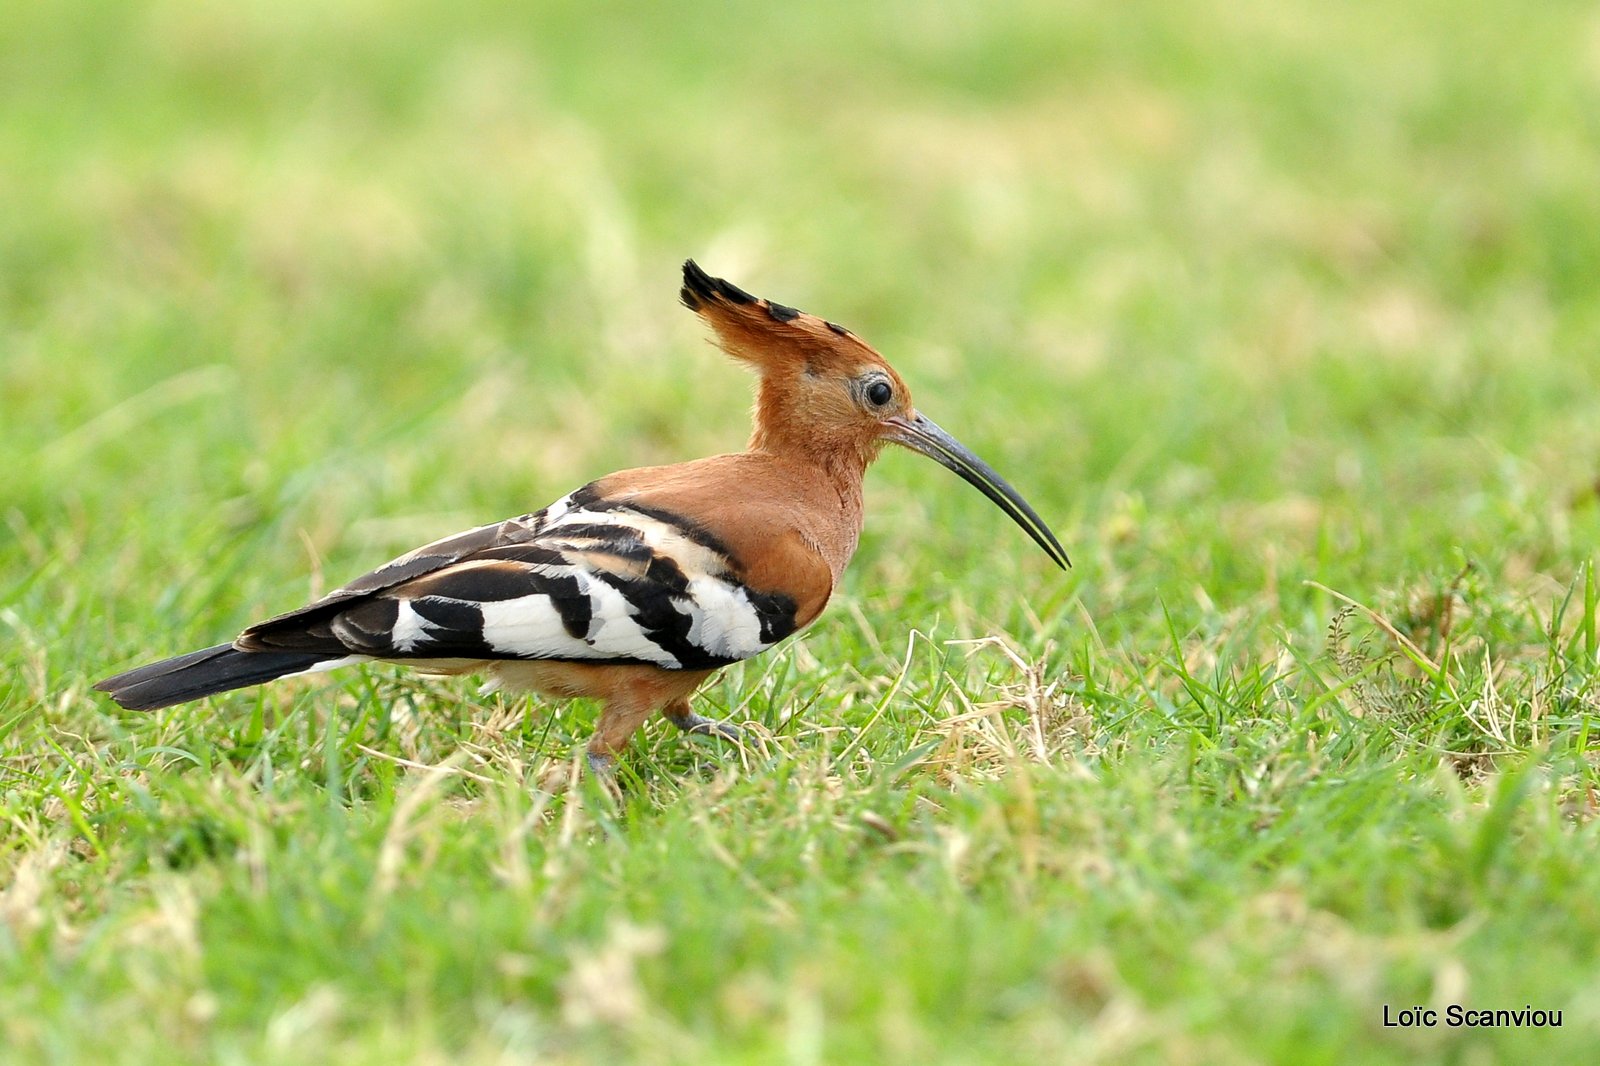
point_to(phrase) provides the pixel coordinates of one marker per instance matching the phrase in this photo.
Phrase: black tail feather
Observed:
(201, 673)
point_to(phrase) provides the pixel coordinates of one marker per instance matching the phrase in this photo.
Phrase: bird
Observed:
(637, 587)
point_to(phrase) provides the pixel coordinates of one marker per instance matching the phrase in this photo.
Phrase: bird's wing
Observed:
(587, 579)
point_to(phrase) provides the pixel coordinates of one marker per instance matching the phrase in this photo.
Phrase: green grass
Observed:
(1272, 310)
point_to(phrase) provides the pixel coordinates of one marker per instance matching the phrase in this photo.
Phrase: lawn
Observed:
(1286, 316)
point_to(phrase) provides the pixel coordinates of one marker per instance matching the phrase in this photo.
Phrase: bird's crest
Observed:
(771, 336)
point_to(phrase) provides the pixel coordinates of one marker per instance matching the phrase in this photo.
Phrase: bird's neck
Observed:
(830, 475)
(842, 463)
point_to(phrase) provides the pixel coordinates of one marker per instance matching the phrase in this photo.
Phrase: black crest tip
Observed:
(698, 287)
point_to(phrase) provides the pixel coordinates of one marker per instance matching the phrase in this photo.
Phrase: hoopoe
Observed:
(635, 588)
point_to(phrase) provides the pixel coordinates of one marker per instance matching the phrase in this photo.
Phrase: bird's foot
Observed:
(603, 770)
(700, 725)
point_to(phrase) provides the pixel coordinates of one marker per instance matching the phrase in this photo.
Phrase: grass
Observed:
(1283, 314)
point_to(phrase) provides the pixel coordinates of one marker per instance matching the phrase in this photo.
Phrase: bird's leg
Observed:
(622, 716)
(682, 715)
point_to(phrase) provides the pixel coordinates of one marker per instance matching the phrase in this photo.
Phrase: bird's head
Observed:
(827, 394)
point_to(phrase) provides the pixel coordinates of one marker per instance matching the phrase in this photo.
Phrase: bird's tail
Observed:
(201, 673)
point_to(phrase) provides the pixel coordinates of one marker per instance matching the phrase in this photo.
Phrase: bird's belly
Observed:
(444, 667)
(567, 680)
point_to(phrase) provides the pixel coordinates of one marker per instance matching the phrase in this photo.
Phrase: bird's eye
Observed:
(879, 393)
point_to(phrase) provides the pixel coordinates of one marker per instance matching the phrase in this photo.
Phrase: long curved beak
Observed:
(921, 434)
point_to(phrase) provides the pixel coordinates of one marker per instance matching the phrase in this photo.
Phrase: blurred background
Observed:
(1238, 294)
(1261, 304)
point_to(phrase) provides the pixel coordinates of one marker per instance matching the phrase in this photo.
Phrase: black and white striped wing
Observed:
(586, 580)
